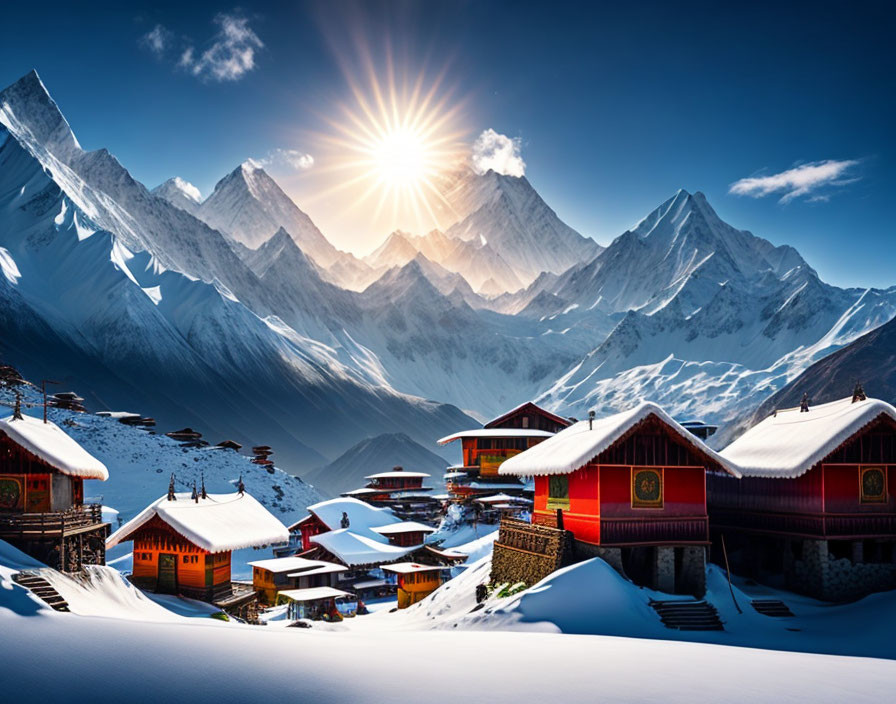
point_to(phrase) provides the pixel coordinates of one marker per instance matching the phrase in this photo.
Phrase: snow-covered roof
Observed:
(218, 523)
(410, 567)
(51, 444)
(397, 475)
(370, 584)
(501, 498)
(360, 514)
(404, 527)
(361, 492)
(455, 475)
(790, 443)
(313, 593)
(580, 443)
(324, 568)
(356, 549)
(291, 563)
(496, 433)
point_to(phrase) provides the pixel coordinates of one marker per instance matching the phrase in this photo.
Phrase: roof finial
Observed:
(202, 493)
(591, 420)
(804, 403)
(171, 496)
(858, 393)
(195, 494)
(17, 411)
(345, 522)
(240, 487)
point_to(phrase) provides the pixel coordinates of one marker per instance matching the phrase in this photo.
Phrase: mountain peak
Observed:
(29, 111)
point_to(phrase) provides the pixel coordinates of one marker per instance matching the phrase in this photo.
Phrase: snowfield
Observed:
(128, 650)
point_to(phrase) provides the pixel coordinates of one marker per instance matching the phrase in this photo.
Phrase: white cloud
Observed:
(231, 54)
(799, 181)
(293, 158)
(498, 152)
(157, 40)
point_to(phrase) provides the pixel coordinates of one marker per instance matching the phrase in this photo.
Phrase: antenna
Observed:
(591, 420)
(43, 390)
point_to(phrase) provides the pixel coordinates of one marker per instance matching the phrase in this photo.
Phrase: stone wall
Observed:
(528, 553)
(819, 574)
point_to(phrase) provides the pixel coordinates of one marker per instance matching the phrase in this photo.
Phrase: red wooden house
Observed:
(815, 510)
(42, 509)
(484, 449)
(630, 488)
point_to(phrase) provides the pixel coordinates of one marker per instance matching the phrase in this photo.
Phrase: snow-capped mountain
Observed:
(483, 268)
(81, 304)
(724, 320)
(248, 205)
(180, 193)
(265, 332)
(507, 214)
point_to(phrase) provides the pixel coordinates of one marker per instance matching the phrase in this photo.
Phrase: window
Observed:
(647, 488)
(558, 491)
(873, 485)
(525, 421)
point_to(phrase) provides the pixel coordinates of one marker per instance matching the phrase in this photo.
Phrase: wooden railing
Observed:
(842, 525)
(643, 530)
(51, 522)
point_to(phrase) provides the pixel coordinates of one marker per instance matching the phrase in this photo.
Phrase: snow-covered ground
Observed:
(123, 637)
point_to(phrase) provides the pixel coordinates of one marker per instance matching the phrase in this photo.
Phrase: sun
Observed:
(390, 147)
(401, 158)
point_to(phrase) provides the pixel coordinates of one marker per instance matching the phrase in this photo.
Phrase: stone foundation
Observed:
(820, 574)
(831, 570)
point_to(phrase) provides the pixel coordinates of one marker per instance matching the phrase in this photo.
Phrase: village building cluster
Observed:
(805, 501)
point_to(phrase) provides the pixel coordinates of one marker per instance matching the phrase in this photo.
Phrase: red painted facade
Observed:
(603, 508)
(824, 502)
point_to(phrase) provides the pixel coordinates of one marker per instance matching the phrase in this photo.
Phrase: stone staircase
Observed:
(41, 588)
(772, 607)
(688, 615)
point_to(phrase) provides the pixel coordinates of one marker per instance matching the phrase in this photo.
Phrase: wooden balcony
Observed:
(78, 519)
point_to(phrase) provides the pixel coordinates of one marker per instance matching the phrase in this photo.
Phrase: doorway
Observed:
(167, 580)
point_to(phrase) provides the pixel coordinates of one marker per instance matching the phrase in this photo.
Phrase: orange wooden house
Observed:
(415, 581)
(42, 510)
(484, 449)
(182, 545)
(631, 488)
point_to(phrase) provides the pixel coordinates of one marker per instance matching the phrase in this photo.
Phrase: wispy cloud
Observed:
(157, 40)
(291, 158)
(231, 54)
(498, 152)
(803, 180)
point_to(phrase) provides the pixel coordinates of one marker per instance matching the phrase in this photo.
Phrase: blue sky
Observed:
(612, 108)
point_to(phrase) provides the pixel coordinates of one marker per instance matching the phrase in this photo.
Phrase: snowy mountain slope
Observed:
(443, 348)
(248, 205)
(475, 260)
(107, 194)
(506, 213)
(725, 319)
(870, 359)
(179, 193)
(130, 331)
(378, 454)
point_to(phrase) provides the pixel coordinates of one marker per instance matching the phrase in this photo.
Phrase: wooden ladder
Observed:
(688, 615)
(40, 587)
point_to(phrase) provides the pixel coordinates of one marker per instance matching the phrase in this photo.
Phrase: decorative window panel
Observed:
(647, 487)
(558, 491)
(873, 485)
